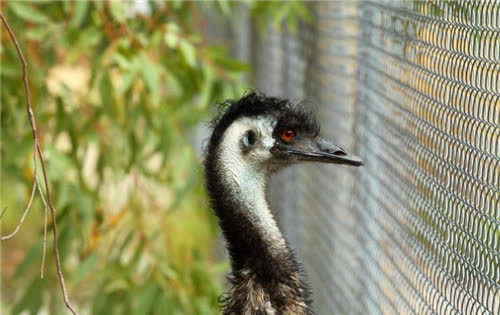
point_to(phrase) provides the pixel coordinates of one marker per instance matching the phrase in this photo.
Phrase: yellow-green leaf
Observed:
(85, 268)
(81, 9)
(188, 52)
(28, 12)
(117, 10)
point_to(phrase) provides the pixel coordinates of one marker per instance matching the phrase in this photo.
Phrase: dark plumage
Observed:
(249, 142)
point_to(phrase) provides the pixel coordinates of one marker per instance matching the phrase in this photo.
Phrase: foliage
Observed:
(287, 13)
(117, 95)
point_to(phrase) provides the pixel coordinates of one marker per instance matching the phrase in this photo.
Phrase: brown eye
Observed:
(287, 135)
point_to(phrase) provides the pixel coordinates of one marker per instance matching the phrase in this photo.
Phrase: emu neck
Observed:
(248, 190)
(237, 187)
(245, 216)
(265, 275)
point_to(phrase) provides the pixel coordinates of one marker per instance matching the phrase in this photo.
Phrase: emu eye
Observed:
(249, 138)
(287, 135)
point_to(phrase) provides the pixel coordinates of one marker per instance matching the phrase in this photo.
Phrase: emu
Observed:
(255, 137)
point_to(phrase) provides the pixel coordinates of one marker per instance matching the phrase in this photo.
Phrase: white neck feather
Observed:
(247, 180)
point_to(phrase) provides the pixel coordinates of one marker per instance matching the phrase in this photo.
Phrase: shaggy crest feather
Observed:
(255, 104)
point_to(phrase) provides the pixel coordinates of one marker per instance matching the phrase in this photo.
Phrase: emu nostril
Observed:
(340, 152)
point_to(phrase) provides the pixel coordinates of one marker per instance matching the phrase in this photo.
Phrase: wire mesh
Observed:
(414, 88)
(429, 101)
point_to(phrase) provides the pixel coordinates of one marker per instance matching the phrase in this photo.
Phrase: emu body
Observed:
(255, 137)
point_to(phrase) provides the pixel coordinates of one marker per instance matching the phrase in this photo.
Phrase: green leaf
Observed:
(34, 254)
(121, 61)
(224, 7)
(106, 90)
(207, 87)
(172, 35)
(188, 52)
(129, 79)
(38, 34)
(178, 4)
(117, 10)
(28, 12)
(81, 9)
(183, 190)
(151, 77)
(171, 39)
(232, 64)
(168, 272)
(85, 268)
(303, 11)
(61, 164)
(292, 24)
(63, 196)
(32, 298)
(115, 285)
(89, 38)
(282, 13)
(147, 299)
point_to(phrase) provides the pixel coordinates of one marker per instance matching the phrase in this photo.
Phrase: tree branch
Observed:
(42, 163)
(42, 267)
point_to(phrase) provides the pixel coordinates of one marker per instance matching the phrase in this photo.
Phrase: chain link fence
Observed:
(414, 88)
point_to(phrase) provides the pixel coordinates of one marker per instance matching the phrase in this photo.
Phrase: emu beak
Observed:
(321, 150)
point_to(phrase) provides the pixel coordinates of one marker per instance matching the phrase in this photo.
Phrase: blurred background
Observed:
(122, 92)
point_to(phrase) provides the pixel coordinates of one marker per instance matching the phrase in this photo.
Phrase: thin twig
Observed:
(42, 163)
(6, 237)
(3, 212)
(28, 207)
(42, 267)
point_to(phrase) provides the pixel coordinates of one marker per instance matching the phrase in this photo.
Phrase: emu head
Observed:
(266, 133)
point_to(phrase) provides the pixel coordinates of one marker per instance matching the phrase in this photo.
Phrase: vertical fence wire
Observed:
(429, 103)
(414, 88)
(327, 190)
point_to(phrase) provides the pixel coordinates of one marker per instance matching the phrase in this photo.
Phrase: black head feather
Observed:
(253, 104)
